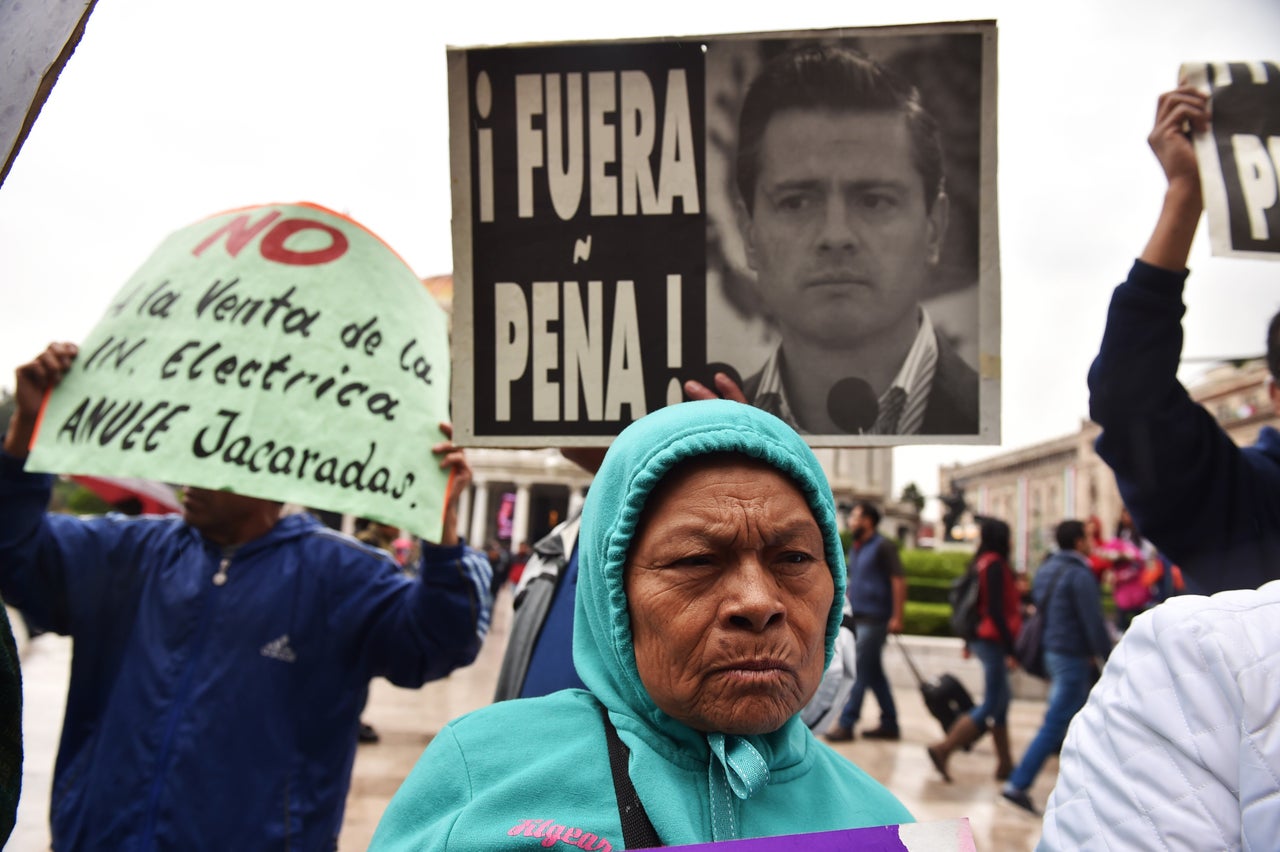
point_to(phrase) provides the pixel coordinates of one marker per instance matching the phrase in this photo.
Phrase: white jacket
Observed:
(1179, 744)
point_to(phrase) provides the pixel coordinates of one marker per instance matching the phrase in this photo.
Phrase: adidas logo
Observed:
(278, 649)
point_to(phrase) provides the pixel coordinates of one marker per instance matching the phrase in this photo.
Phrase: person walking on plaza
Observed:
(1000, 617)
(221, 658)
(1097, 557)
(877, 594)
(1075, 635)
(1209, 505)
(1130, 555)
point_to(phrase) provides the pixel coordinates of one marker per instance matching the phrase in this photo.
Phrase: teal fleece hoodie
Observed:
(534, 773)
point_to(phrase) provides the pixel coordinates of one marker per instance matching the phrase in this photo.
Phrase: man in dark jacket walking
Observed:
(221, 659)
(877, 594)
(1075, 636)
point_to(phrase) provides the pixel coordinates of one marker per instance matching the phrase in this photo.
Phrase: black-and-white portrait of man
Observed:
(843, 198)
(802, 220)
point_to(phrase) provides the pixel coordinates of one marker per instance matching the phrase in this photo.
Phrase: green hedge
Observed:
(927, 590)
(929, 575)
(937, 564)
(926, 619)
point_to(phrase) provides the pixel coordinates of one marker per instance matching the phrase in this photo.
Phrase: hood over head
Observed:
(603, 649)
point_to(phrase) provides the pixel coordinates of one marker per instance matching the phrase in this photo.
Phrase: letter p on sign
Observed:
(1257, 167)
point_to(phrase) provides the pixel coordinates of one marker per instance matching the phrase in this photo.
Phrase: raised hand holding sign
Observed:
(280, 351)
(1239, 155)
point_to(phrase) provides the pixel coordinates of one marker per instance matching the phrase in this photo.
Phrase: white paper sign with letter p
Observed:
(1240, 156)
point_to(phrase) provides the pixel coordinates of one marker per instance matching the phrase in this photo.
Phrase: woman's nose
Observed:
(752, 598)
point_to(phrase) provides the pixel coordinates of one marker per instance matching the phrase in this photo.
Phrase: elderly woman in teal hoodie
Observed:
(708, 603)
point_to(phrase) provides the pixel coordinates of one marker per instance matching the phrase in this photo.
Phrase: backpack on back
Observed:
(963, 597)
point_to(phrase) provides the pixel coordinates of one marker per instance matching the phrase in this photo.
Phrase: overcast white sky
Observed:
(169, 112)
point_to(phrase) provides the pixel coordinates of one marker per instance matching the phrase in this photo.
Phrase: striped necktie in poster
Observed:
(890, 411)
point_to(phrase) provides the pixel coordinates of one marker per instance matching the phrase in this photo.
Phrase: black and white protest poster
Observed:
(807, 219)
(1239, 156)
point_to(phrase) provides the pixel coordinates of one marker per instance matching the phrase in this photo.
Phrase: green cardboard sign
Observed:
(280, 351)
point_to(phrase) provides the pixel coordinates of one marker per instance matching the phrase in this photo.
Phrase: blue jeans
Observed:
(869, 640)
(1069, 687)
(996, 692)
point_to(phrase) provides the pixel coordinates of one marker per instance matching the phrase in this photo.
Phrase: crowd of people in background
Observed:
(1173, 742)
(1202, 515)
(1137, 575)
(239, 633)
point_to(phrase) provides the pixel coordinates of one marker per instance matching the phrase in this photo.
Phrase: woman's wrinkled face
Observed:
(729, 592)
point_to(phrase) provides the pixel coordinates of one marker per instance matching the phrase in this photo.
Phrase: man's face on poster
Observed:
(840, 235)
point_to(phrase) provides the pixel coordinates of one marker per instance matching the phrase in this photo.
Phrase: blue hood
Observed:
(499, 771)
(640, 457)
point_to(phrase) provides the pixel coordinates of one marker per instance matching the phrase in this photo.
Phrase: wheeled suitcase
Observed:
(945, 696)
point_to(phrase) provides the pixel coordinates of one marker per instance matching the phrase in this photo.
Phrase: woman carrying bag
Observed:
(992, 642)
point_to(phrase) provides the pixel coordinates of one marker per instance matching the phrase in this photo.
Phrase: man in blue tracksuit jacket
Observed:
(221, 660)
(1209, 505)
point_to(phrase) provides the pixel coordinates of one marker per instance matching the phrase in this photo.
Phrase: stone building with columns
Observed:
(1035, 487)
(519, 495)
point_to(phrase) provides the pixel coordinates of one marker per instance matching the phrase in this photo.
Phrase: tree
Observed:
(911, 494)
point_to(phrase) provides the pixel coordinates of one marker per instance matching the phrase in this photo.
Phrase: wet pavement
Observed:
(407, 719)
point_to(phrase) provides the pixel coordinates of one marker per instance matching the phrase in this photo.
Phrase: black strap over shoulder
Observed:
(1048, 593)
(637, 831)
